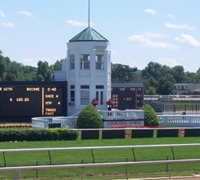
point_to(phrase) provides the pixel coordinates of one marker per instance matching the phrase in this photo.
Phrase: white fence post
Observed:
(16, 175)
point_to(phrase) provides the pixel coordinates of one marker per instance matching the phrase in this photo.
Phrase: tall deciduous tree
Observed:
(43, 71)
(166, 85)
(178, 74)
(152, 69)
(124, 73)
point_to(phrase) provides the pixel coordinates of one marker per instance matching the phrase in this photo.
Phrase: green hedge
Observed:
(38, 135)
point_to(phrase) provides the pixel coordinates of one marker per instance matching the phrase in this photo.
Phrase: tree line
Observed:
(13, 71)
(157, 78)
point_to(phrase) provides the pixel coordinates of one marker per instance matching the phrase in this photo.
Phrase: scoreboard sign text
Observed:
(108, 124)
(127, 97)
(32, 100)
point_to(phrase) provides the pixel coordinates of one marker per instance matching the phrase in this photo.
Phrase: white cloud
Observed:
(171, 16)
(33, 61)
(3, 37)
(2, 14)
(185, 38)
(29, 62)
(168, 61)
(154, 35)
(26, 13)
(76, 23)
(9, 25)
(150, 11)
(145, 40)
(179, 26)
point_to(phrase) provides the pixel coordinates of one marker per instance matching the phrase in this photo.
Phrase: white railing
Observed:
(66, 122)
(17, 170)
(169, 162)
(134, 116)
(43, 122)
(122, 115)
(99, 147)
(179, 120)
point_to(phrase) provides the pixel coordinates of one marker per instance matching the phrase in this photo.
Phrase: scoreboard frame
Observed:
(127, 95)
(22, 100)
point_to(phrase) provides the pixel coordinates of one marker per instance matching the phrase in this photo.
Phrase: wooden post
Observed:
(126, 172)
(16, 175)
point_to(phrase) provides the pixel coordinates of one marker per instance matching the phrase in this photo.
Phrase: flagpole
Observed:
(88, 13)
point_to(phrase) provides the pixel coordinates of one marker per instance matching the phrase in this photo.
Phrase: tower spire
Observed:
(88, 13)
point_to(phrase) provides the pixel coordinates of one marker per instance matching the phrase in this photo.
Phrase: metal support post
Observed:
(4, 159)
(50, 157)
(133, 154)
(92, 155)
(167, 168)
(173, 153)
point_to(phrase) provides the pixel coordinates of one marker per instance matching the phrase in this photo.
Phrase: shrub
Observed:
(150, 116)
(89, 117)
(38, 135)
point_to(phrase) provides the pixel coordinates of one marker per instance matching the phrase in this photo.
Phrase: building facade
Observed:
(87, 69)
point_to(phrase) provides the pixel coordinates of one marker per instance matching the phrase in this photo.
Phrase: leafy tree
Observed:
(189, 77)
(14, 72)
(151, 85)
(166, 85)
(151, 91)
(30, 73)
(2, 66)
(195, 79)
(124, 73)
(89, 117)
(152, 82)
(152, 69)
(178, 74)
(43, 71)
(150, 116)
(57, 66)
(165, 70)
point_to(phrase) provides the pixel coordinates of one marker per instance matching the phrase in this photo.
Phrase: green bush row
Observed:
(38, 135)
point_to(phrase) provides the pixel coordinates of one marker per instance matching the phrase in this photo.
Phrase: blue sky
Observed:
(139, 31)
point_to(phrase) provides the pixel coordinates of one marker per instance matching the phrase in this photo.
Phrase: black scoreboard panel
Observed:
(30, 99)
(127, 96)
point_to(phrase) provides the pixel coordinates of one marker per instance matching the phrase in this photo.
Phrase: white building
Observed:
(87, 70)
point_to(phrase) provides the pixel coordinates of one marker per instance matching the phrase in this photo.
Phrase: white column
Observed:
(93, 74)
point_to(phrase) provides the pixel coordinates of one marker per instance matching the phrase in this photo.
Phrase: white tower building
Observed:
(87, 69)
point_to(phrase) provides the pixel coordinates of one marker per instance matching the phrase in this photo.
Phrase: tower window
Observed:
(99, 93)
(72, 93)
(72, 61)
(85, 61)
(85, 95)
(99, 61)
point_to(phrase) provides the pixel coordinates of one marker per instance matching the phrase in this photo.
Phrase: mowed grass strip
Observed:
(101, 156)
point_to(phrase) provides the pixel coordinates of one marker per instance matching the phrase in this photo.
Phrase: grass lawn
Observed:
(110, 155)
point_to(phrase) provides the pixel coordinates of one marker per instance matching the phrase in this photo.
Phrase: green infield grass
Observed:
(101, 156)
